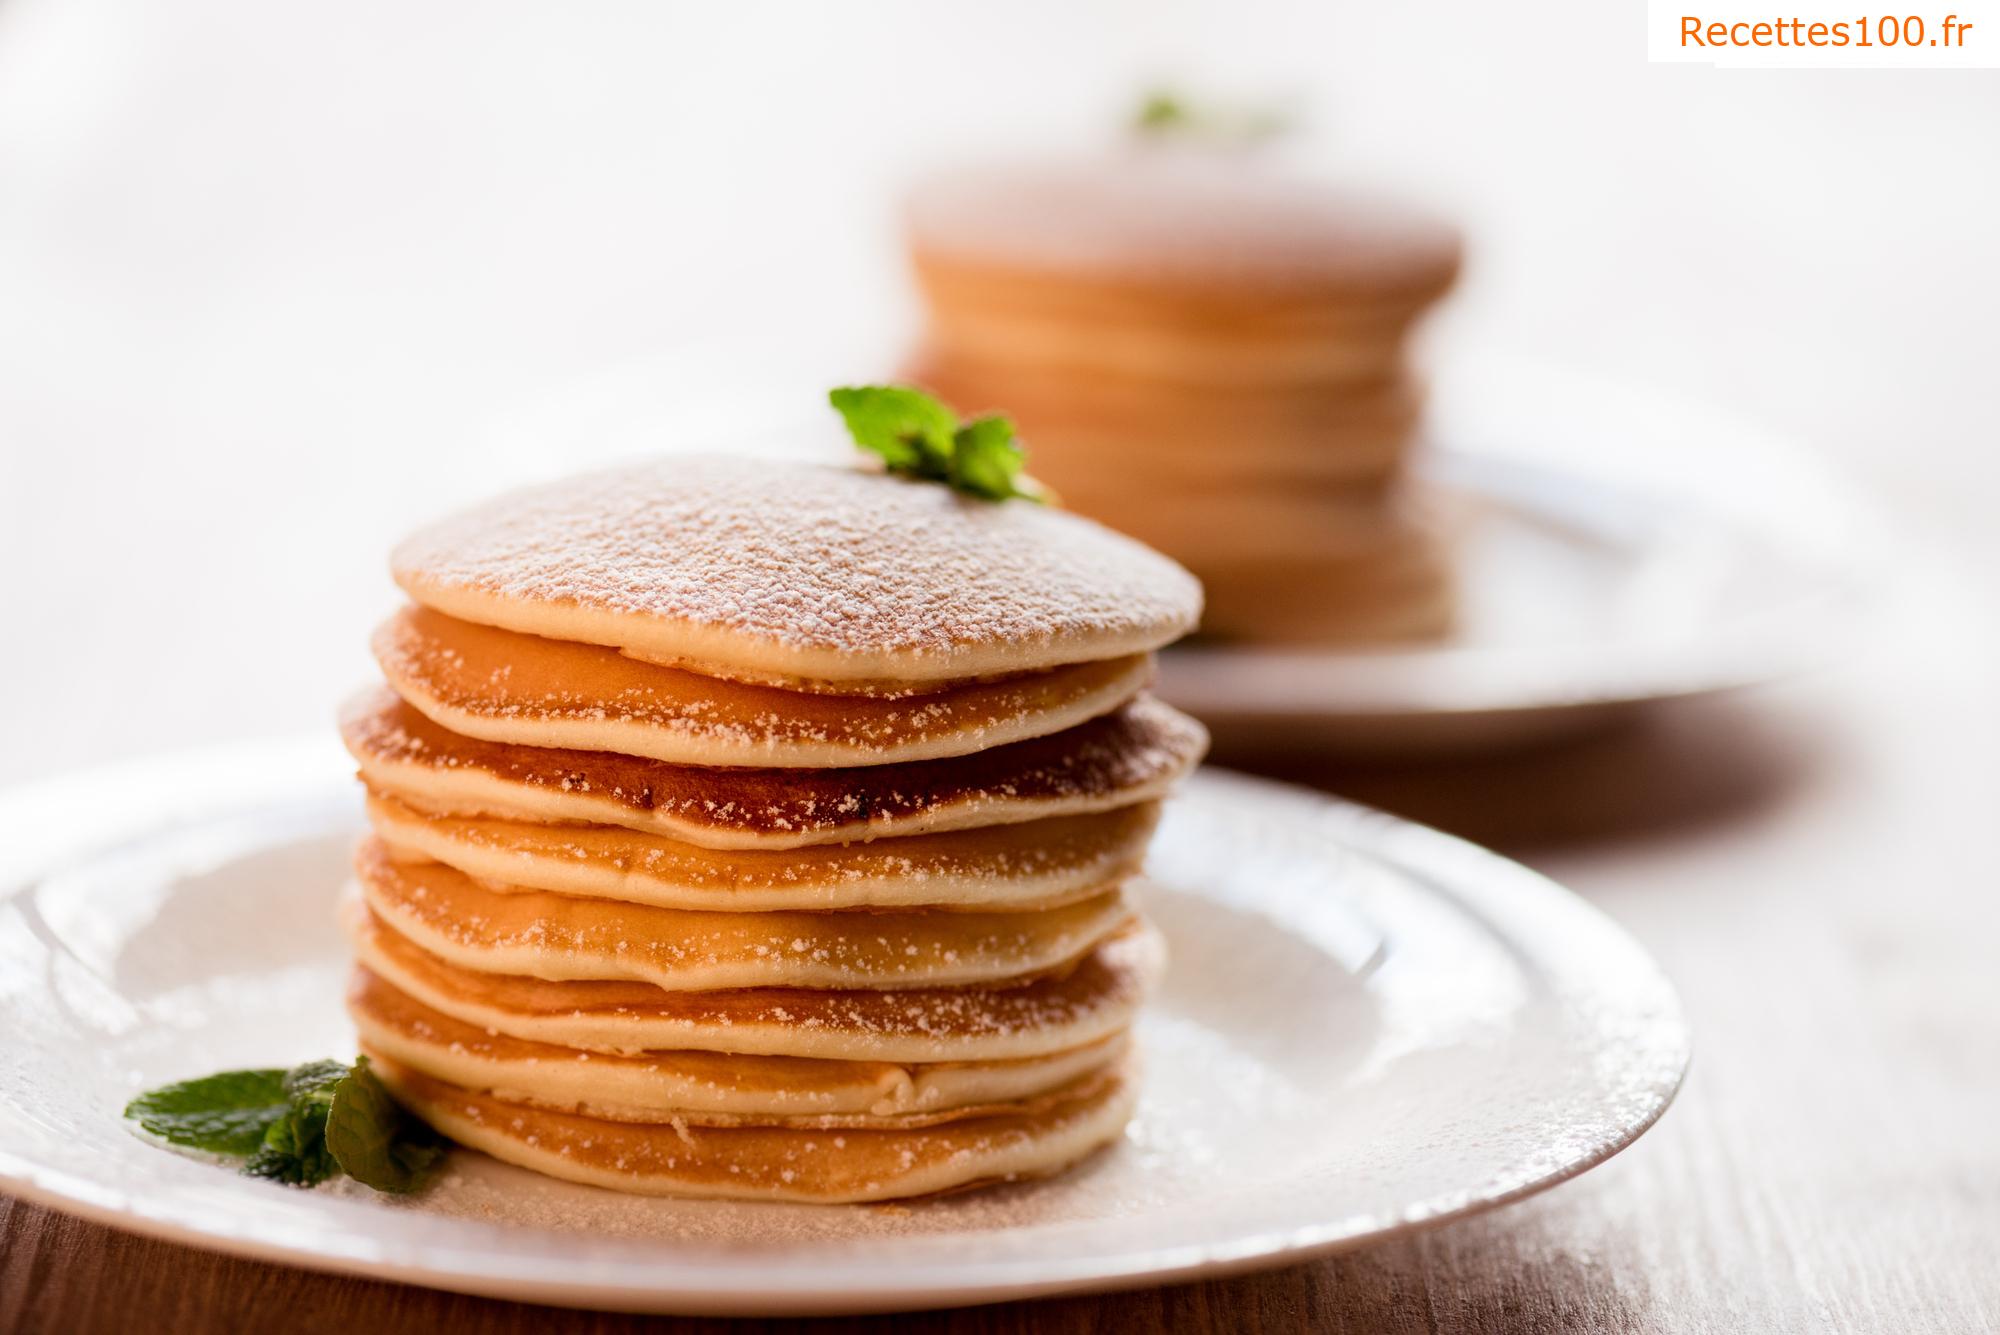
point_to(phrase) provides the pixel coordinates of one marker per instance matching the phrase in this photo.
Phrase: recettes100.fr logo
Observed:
(1830, 34)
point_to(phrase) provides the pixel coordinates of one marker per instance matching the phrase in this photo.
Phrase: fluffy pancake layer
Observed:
(1307, 527)
(775, 1163)
(1180, 228)
(1132, 755)
(1092, 1000)
(1038, 864)
(1121, 427)
(706, 1088)
(1404, 590)
(1005, 318)
(560, 937)
(734, 568)
(501, 686)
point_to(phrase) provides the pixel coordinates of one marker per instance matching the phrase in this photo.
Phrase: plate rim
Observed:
(1492, 432)
(1387, 682)
(1427, 852)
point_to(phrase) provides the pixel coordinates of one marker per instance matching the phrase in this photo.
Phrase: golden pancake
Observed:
(551, 936)
(1405, 589)
(1208, 355)
(1300, 525)
(1179, 226)
(734, 567)
(771, 1163)
(706, 1088)
(1201, 435)
(1090, 332)
(1408, 592)
(1039, 864)
(500, 686)
(1130, 756)
(1067, 1009)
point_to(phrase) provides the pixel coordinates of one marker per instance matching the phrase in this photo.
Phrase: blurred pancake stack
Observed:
(763, 831)
(1210, 356)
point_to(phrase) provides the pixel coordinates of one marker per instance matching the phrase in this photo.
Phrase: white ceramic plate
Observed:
(1619, 548)
(1369, 1027)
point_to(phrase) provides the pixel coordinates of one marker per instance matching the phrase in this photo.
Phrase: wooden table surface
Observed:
(1815, 866)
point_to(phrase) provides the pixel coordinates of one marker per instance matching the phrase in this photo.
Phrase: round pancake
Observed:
(739, 567)
(1133, 755)
(771, 1163)
(1299, 525)
(500, 686)
(995, 318)
(705, 1088)
(1178, 226)
(1067, 1009)
(1404, 593)
(563, 937)
(1183, 435)
(1039, 864)
(1404, 589)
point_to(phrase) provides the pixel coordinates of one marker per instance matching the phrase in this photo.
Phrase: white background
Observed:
(275, 279)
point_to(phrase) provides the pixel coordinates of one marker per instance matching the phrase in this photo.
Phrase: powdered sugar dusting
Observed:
(1173, 216)
(834, 560)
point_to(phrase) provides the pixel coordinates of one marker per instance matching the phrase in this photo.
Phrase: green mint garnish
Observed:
(1163, 114)
(222, 1114)
(1161, 111)
(299, 1127)
(375, 1141)
(920, 437)
(294, 1150)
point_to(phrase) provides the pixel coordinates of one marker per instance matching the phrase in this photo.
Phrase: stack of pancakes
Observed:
(1211, 357)
(762, 830)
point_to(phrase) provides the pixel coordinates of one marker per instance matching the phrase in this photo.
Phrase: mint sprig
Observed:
(222, 1114)
(373, 1140)
(918, 436)
(299, 1127)
(1165, 114)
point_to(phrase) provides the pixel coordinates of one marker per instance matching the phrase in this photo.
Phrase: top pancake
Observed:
(798, 574)
(1178, 222)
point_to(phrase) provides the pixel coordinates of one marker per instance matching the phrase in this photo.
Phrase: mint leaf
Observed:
(227, 1113)
(1168, 115)
(918, 436)
(315, 1082)
(1161, 111)
(299, 1127)
(375, 1142)
(294, 1150)
(908, 428)
(985, 458)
